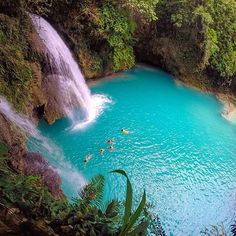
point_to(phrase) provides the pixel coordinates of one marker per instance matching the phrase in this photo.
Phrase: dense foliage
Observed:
(216, 22)
(222, 33)
(117, 30)
(15, 70)
(32, 208)
(103, 35)
(102, 31)
(201, 37)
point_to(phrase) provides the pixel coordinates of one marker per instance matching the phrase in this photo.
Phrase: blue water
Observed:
(179, 149)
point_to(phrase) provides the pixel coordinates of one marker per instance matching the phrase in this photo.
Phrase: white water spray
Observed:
(73, 90)
(42, 144)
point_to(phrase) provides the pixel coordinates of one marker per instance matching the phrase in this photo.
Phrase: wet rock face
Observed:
(46, 94)
(157, 46)
(9, 135)
(53, 108)
(28, 163)
(35, 164)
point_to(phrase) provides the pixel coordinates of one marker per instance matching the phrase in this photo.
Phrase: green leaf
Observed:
(111, 210)
(136, 215)
(139, 228)
(92, 232)
(128, 201)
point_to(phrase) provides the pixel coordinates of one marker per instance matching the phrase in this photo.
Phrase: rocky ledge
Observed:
(26, 162)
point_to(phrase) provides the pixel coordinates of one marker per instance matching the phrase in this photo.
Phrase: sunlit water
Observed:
(180, 149)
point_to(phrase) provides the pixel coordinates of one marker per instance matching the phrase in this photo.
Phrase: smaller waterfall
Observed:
(39, 143)
(24, 124)
(67, 78)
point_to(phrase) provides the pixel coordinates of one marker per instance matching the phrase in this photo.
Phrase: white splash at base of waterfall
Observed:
(99, 103)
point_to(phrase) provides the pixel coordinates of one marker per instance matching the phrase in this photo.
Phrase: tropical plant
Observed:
(91, 195)
(132, 224)
(88, 208)
(86, 215)
(117, 28)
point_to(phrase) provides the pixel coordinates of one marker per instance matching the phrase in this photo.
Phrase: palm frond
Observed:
(112, 209)
(128, 199)
(91, 195)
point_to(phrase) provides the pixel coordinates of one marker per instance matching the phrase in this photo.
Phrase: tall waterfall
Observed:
(38, 142)
(70, 81)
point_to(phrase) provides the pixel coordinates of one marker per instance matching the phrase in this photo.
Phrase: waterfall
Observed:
(38, 142)
(71, 85)
(24, 124)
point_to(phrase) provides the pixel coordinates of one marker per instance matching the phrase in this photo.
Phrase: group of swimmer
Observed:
(102, 150)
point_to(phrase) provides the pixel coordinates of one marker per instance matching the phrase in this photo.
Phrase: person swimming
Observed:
(87, 158)
(102, 150)
(125, 131)
(111, 141)
(111, 148)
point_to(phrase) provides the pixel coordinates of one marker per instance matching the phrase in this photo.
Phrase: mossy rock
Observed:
(91, 63)
(3, 149)
(15, 69)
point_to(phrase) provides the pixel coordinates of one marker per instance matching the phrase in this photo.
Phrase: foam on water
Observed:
(99, 104)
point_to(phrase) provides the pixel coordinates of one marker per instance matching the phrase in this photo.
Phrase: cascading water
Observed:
(38, 142)
(24, 124)
(72, 89)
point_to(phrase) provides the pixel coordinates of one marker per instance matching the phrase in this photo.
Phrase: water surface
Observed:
(179, 149)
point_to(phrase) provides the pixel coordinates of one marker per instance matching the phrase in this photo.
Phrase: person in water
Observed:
(111, 148)
(102, 150)
(111, 141)
(125, 131)
(87, 158)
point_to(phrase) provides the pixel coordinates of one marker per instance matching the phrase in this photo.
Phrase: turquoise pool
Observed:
(179, 149)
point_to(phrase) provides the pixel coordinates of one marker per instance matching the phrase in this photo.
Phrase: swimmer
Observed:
(87, 158)
(111, 148)
(111, 141)
(125, 131)
(102, 150)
